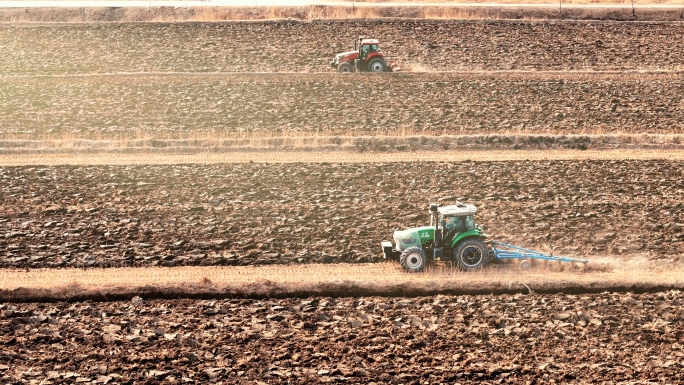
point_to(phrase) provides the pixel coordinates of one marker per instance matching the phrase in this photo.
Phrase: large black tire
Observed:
(377, 64)
(413, 259)
(345, 68)
(471, 254)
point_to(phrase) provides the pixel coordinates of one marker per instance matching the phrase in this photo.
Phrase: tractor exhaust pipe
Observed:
(433, 214)
(434, 218)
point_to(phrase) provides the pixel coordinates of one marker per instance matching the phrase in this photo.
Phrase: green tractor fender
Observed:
(471, 233)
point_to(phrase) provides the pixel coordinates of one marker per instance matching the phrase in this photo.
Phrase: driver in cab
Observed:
(452, 225)
(365, 49)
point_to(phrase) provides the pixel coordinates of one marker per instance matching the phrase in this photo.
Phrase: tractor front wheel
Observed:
(344, 68)
(413, 259)
(377, 65)
(471, 254)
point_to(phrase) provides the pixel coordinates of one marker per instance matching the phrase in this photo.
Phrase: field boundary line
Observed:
(482, 20)
(332, 73)
(310, 3)
(331, 157)
(330, 280)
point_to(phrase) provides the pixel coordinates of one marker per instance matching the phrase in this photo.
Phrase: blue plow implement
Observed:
(504, 251)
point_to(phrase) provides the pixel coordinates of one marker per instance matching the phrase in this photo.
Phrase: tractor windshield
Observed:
(453, 222)
(457, 225)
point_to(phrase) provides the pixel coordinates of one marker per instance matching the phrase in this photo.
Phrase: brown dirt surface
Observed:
(158, 107)
(464, 339)
(291, 46)
(246, 214)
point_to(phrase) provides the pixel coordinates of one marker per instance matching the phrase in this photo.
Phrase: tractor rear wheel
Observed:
(471, 254)
(413, 259)
(344, 68)
(377, 64)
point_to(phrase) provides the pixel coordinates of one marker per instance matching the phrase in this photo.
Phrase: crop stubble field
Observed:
(624, 211)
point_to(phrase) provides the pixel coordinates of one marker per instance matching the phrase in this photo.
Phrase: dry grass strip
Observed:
(386, 279)
(355, 10)
(331, 157)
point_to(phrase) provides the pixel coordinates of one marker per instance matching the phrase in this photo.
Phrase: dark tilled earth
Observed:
(291, 46)
(331, 104)
(620, 338)
(240, 214)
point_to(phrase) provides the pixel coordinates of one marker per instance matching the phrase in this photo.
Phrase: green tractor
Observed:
(451, 236)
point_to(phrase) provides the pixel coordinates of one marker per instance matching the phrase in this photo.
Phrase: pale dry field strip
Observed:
(331, 157)
(522, 2)
(331, 279)
(297, 3)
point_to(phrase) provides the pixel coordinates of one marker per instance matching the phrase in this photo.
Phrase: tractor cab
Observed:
(366, 57)
(368, 47)
(455, 220)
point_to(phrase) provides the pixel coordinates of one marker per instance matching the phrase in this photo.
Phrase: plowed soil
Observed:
(301, 213)
(498, 339)
(329, 104)
(290, 46)
(240, 214)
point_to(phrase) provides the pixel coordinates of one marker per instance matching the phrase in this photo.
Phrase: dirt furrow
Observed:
(291, 46)
(242, 214)
(332, 104)
(501, 339)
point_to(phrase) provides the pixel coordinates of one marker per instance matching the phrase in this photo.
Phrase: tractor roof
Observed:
(370, 41)
(461, 209)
